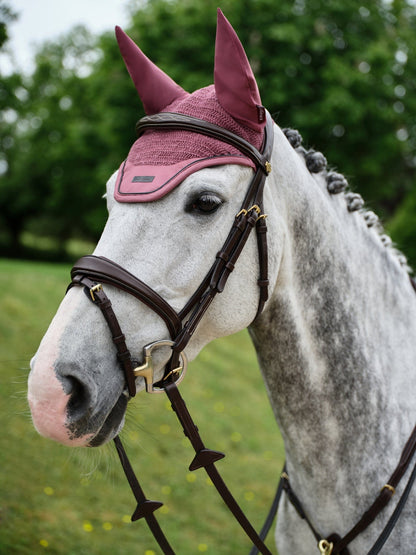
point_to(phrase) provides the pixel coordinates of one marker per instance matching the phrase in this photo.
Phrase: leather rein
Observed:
(91, 272)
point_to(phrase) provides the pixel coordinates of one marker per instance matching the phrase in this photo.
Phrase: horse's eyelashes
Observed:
(205, 203)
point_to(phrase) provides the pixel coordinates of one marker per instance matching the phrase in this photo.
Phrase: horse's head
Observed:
(165, 234)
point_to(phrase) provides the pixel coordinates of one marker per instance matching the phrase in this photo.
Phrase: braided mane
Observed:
(338, 184)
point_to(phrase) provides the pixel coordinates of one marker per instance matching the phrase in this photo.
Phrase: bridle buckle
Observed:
(325, 547)
(146, 370)
(95, 289)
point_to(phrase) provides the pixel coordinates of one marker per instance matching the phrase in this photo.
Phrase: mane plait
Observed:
(336, 183)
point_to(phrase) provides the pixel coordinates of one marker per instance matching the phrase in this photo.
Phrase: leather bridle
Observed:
(92, 272)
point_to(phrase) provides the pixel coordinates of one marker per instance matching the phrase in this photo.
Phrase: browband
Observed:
(182, 122)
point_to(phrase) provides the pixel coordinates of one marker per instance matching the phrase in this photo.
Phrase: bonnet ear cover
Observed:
(234, 80)
(156, 89)
(160, 160)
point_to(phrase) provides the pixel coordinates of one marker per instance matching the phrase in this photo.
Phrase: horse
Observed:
(334, 334)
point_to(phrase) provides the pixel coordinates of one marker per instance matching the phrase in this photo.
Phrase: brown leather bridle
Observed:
(92, 272)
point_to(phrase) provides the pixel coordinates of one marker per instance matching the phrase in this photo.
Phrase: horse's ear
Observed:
(156, 89)
(235, 84)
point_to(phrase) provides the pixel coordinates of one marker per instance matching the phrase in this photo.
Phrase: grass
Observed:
(58, 500)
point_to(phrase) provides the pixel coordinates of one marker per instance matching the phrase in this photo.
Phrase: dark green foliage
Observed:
(6, 16)
(403, 227)
(343, 73)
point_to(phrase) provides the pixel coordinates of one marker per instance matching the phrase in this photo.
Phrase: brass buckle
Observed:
(146, 370)
(390, 488)
(255, 207)
(325, 547)
(94, 289)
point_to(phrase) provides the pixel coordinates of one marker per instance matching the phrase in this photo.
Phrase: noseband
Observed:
(91, 272)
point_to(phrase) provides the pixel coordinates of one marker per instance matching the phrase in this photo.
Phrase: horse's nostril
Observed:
(79, 396)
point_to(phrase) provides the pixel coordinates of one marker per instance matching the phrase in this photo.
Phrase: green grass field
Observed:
(58, 500)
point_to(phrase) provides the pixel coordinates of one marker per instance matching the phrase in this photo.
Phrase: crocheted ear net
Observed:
(160, 160)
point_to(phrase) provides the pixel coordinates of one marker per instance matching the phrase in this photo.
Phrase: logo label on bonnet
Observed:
(143, 179)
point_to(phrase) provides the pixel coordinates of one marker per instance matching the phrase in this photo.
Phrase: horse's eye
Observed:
(206, 203)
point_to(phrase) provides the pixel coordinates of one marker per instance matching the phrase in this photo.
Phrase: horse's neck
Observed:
(336, 343)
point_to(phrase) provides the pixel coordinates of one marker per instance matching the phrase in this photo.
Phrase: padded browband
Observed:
(181, 122)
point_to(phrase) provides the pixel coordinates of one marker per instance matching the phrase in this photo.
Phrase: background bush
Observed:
(343, 73)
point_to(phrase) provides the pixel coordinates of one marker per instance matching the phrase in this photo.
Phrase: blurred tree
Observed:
(343, 73)
(6, 16)
(8, 116)
(402, 227)
(50, 184)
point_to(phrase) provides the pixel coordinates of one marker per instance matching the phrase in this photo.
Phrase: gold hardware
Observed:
(285, 476)
(146, 370)
(97, 287)
(255, 208)
(242, 212)
(325, 547)
(390, 488)
(177, 370)
(268, 167)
